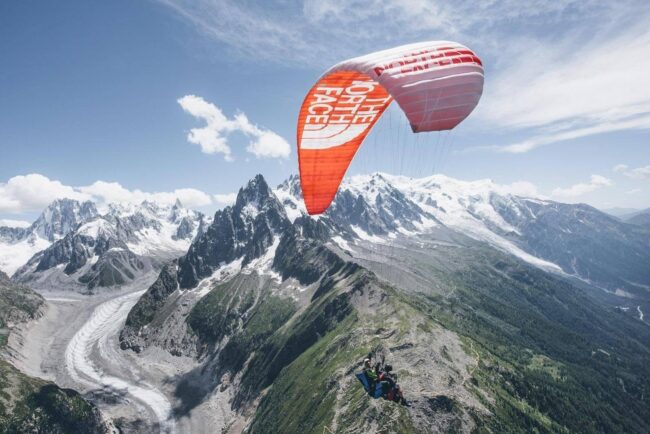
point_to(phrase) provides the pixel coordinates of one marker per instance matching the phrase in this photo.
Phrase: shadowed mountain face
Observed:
(244, 230)
(582, 240)
(463, 289)
(640, 218)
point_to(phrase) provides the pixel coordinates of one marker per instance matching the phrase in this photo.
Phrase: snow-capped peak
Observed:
(61, 216)
(378, 207)
(148, 229)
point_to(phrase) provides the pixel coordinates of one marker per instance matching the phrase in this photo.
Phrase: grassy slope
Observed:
(306, 360)
(549, 359)
(541, 369)
(540, 340)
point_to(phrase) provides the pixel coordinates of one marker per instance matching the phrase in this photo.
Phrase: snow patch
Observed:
(152, 242)
(15, 255)
(251, 210)
(460, 205)
(94, 228)
(263, 264)
(294, 207)
(221, 274)
(366, 236)
(622, 293)
(341, 243)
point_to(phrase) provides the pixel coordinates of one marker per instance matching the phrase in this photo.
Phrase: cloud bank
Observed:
(10, 223)
(33, 192)
(596, 182)
(225, 199)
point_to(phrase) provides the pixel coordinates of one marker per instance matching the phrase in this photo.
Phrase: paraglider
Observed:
(380, 382)
(436, 84)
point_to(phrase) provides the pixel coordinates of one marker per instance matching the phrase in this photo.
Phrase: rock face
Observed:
(451, 284)
(30, 404)
(62, 216)
(113, 249)
(11, 234)
(18, 304)
(93, 256)
(244, 230)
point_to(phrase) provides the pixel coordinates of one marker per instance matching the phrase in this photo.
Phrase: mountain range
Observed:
(72, 245)
(500, 313)
(489, 303)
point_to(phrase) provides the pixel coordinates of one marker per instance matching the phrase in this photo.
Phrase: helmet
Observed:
(388, 368)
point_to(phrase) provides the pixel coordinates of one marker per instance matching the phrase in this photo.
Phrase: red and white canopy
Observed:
(437, 84)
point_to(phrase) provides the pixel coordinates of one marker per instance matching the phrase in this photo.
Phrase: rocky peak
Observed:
(244, 230)
(177, 212)
(185, 229)
(292, 186)
(150, 207)
(255, 194)
(62, 216)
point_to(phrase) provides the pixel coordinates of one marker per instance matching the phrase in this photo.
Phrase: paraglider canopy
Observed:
(436, 84)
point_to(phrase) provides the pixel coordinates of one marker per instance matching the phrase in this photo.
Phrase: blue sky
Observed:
(91, 96)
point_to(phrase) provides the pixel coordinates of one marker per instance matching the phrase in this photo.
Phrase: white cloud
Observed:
(323, 32)
(26, 193)
(642, 122)
(225, 199)
(269, 145)
(213, 138)
(571, 88)
(633, 191)
(210, 137)
(638, 173)
(520, 188)
(107, 192)
(546, 69)
(14, 223)
(595, 183)
(33, 192)
(189, 197)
